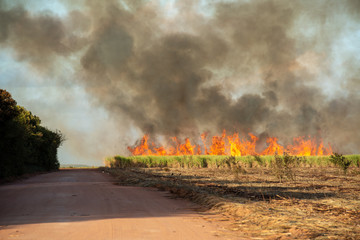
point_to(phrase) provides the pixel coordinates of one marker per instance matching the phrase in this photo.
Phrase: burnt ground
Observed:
(315, 203)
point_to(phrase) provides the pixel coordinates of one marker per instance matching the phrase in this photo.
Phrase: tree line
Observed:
(25, 145)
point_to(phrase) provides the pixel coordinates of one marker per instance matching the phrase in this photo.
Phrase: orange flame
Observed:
(203, 139)
(142, 148)
(308, 147)
(273, 148)
(242, 147)
(218, 145)
(231, 145)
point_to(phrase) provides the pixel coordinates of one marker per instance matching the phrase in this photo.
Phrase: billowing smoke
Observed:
(273, 68)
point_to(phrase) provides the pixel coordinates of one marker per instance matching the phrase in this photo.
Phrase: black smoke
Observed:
(236, 67)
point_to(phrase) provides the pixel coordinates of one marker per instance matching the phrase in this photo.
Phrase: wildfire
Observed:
(273, 148)
(242, 147)
(231, 145)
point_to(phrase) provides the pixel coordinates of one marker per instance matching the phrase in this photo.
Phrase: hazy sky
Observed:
(106, 72)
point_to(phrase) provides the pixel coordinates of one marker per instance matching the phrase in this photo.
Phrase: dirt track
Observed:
(84, 204)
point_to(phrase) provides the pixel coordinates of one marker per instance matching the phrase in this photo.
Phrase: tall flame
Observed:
(273, 148)
(242, 147)
(218, 145)
(231, 145)
(142, 148)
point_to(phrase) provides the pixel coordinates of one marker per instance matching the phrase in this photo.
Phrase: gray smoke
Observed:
(244, 66)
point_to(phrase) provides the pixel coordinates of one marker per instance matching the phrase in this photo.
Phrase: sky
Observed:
(106, 72)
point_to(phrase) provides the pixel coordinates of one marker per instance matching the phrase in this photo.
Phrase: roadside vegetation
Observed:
(25, 145)
(261, 197)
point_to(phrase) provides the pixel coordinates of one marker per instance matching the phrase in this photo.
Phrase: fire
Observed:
(231, 145)
(303, 147)
(142, 148)
(242, 147)
(273, 148)
(218, 145)
(203, 139)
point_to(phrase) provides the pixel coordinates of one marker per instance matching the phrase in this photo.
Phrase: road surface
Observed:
(85, 204)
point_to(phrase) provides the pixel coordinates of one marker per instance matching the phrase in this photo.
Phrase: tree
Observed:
(25, 145)
(8, 108)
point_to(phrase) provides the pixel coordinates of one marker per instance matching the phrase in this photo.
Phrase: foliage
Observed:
(282, 166)
(340, 161)
(221, 161)
(25, 145)
(355, 159)
(258, 159)
(8, 108)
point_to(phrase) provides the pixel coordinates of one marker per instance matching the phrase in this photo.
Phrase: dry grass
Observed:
(317, 202)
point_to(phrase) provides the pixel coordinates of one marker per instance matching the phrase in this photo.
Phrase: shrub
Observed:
(230, 161)
(340, 161)
(258, 160)
(203, 162)
(282, 166)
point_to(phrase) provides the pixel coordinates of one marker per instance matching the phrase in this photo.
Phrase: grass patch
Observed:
(209, 161)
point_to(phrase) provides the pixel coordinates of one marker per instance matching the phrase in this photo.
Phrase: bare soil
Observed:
(86, 204)
(316, 203)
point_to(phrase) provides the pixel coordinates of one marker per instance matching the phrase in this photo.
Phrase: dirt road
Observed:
(85, 204)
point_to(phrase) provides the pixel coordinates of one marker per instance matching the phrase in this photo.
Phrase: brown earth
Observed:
(318, 202)
(85, 204)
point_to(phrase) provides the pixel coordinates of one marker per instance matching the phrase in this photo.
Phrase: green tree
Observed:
(8, 109)
(25, 145)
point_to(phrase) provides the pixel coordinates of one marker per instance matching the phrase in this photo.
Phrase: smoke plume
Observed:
(273, 68)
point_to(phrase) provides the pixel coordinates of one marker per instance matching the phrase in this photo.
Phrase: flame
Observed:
(242, 147)
(273, 148)
(218, 145)
(303, 147)
(231, 145)
(142, 148)
(203, 139)
(308, 147)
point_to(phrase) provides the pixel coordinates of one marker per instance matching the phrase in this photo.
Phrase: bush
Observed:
(282, 166)
(340, 161)
(258, 160)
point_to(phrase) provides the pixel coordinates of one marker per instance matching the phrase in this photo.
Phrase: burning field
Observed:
(231, 145)
(262, 189)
